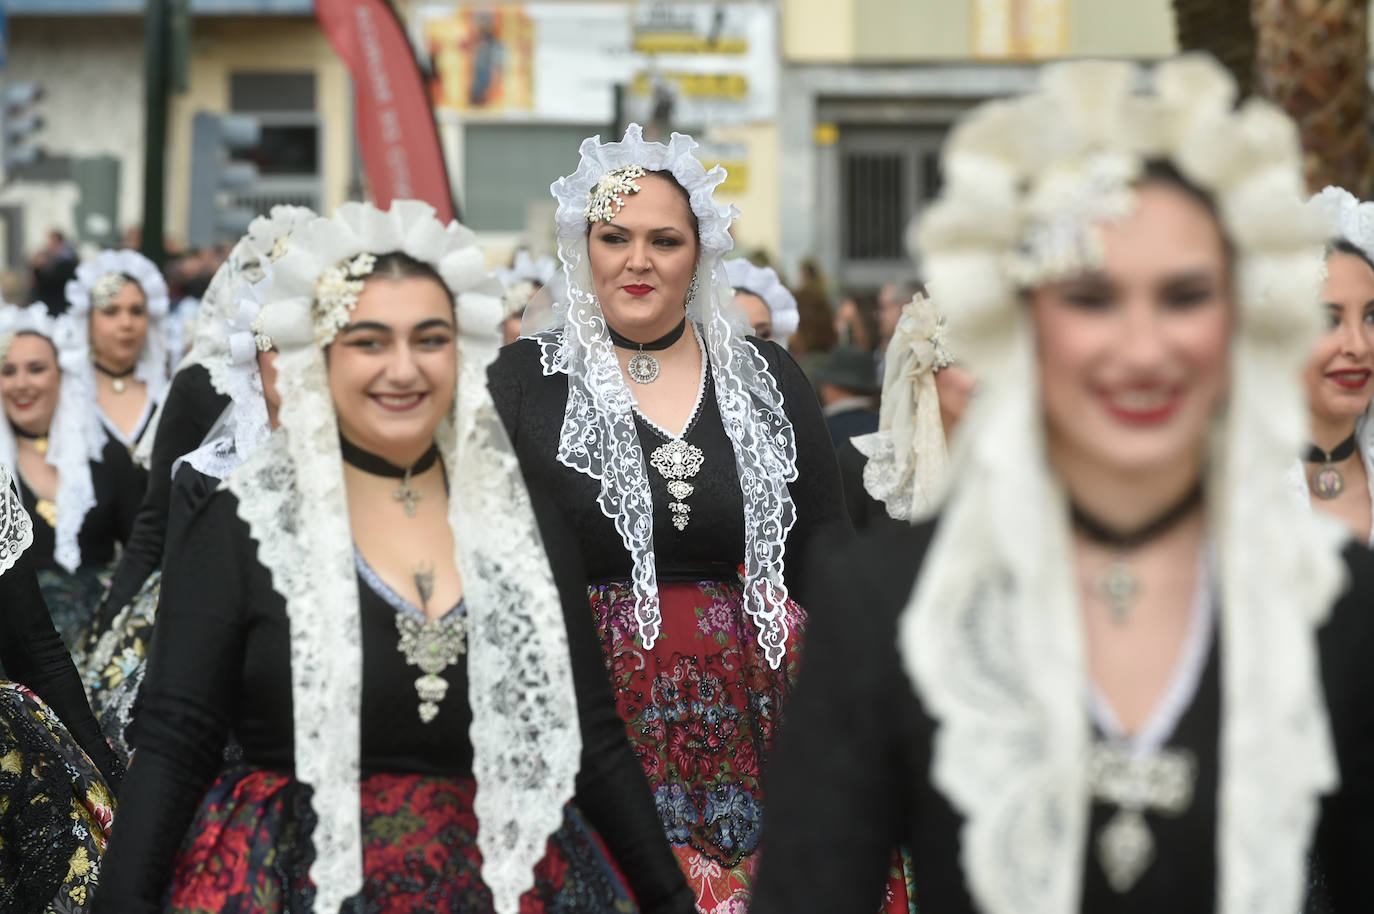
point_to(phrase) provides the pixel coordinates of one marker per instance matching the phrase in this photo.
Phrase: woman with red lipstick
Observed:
(694, 464)
(1336, 471)
(80, 486)
(367, 606)
(1122, 670)
(118, 301)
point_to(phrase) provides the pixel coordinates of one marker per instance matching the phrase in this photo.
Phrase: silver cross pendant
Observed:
(407, 496)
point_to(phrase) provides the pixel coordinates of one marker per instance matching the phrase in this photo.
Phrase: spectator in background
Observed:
(848, 391)
(815, 334)
(52, 267)
(856, 322)
(769, 306)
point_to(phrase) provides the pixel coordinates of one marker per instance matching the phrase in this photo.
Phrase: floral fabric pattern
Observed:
(72, 598)
(55, 811)
(113, 662)
(249, 852)
(701, 709)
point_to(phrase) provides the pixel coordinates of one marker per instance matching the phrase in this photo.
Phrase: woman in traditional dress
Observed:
(214, 391)
(689, 459)
(383, 527)
(56, 772)
(79, 485)
(1336, 474)
(1123, 669)
(118, 300)
(769, 306)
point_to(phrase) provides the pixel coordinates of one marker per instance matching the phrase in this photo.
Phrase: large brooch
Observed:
(677, 461)
(433, 645)
(1159, 781)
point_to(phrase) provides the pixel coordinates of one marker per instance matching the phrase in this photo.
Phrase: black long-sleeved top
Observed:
(712, 547)
(850, 777)
(188, 412)
(33, 654)
(220, 663)
(118, 487)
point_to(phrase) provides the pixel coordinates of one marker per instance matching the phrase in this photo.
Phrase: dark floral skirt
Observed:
(55, 811)
(249, 852)
(73, 597)
(701, 710)
(113, 659)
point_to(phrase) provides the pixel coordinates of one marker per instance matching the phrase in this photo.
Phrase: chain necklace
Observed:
(378, 466)
(1328, 482)
(643, 367)
(1119, 585)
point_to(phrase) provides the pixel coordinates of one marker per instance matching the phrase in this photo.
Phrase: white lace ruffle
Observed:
(764, 282)
(291, 493)
(599, 437)
(16, 527)
(76, 437)
(992, 637)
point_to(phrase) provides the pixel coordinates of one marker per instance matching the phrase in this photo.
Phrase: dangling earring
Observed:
(693, 288)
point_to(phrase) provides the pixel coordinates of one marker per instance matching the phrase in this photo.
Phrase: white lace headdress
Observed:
(265, 241)
(101, 277)
(599, 437)
(992, 637)
(75, 435)
(744, 276)
(906, 456)
(525, 276)
(525, 738)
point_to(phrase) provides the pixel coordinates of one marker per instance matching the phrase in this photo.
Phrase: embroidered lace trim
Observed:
(16, 527)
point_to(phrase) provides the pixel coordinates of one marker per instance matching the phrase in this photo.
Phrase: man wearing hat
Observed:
(848, 390)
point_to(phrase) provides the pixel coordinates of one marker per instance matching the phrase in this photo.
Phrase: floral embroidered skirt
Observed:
(249, 851)
(113, 659)
(72, 598)
(701, 709)
(55, 810)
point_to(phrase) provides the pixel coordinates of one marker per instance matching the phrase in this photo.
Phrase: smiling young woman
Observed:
(1122, 669)
(367, 604)
(691, 459)
(80, 487)
(1337, 472)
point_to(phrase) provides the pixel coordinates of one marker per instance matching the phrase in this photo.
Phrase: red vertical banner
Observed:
(395, 123)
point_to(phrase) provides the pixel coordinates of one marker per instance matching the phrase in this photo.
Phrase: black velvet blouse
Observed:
(850, 778)
(712, 546)
(32, 654)
(188, 412)
(118, 487)
(220, 665)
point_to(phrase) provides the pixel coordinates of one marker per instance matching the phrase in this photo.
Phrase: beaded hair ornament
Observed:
(607, 198)
(336, 295)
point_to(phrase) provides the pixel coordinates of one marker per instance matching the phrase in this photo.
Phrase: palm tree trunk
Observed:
(1312, 58)
(1224, 29)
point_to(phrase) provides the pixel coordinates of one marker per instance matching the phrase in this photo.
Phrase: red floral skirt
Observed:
(701, 709)
(249, 852)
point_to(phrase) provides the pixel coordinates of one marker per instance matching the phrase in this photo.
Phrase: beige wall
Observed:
(222, 46)
(896, 31)
(760, 211)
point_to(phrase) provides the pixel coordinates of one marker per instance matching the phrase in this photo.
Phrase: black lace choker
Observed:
(663, 342)
(1099, 532)
(117, 375)
(1338, 453)
(27, 435)
(369, 462)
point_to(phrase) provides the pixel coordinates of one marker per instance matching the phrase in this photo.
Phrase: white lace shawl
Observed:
(525, 737)
(599, 437)
(907, 460)
(75, 435)
(16, 527)
(992, 637)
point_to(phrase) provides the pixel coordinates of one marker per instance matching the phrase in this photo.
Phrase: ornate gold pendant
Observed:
(47, 509)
